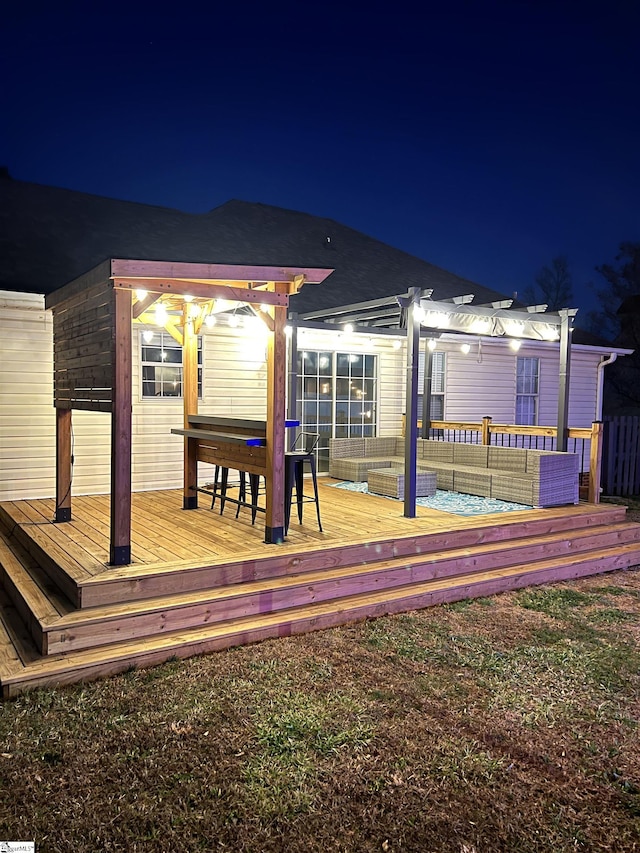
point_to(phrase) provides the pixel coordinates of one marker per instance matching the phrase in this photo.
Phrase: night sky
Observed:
(486, 137)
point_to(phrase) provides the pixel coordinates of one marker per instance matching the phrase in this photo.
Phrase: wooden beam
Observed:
(276, 396)
(123, 268)
(142, 304)
(267, 319)
(171, 326)
(235, 292)
(120, 548)
(190, 407)
(63, 465)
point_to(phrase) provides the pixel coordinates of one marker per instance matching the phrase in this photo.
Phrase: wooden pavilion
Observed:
(92, 330)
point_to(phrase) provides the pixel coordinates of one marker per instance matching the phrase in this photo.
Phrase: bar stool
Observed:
(221, 484)
(302, 452)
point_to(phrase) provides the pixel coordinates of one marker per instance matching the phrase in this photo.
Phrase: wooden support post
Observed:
(64, 463)
(595, 461)
(120, 551)
(190, 407)
(411, 435)
(486, 430)
(276, 401)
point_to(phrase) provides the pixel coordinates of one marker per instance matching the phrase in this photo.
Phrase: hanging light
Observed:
(210, 320)
(432, 344)
(396, 344)
(147, 336)
(348, 328)
(140, 294)
(515, 344)
(465, 348)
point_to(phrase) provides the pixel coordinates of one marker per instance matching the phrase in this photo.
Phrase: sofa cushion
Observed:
(470, 454)
(508, 458)
(345, 448)
(437, 451)
(382, 446)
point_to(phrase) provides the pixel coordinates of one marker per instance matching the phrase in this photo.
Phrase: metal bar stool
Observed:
(221, 484)
(302, 452)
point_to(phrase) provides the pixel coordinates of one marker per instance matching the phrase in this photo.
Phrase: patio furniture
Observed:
(538, 478)
(302, 453)
(390, 482)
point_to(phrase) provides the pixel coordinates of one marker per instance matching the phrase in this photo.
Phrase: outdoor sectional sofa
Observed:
(536, 478)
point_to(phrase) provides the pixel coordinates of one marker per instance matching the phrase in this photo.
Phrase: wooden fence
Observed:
(621, 456)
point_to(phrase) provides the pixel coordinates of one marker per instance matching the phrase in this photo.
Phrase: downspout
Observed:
(600, 385)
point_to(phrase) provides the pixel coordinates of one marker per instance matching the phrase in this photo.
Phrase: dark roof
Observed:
(49, 236)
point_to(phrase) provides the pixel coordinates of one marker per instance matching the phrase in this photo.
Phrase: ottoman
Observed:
(390, 482)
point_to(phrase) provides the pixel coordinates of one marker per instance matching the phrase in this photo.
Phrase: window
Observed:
(527, 374)
(161, 359)
(437, 386)
(337, 396)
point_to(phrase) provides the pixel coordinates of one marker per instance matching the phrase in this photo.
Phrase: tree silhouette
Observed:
(553, 286)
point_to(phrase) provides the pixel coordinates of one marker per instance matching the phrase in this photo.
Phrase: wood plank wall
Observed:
(83, 350)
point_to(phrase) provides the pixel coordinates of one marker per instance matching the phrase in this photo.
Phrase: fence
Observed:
(621, 456)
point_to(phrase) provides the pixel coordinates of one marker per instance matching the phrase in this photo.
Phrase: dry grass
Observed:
(502, 724)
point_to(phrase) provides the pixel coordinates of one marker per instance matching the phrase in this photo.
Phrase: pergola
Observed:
(417, 316)
(92, 332)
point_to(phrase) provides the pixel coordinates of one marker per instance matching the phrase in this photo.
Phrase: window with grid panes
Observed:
(437, 386)
(337, 396)
(161, 360)
(527, 381)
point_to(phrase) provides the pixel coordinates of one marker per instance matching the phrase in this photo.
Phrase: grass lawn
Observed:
(503, 724)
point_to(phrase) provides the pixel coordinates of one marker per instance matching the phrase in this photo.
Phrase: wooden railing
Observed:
(486, 432)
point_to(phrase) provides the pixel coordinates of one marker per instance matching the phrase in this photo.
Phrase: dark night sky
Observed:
(486, 137)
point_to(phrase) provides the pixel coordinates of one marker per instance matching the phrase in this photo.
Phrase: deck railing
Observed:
(586, 442)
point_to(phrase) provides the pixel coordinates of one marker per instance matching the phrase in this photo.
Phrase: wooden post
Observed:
(120, 551)
(190, 407)
(595, 461)
(64, 463)
(276, 396)
(486, 430)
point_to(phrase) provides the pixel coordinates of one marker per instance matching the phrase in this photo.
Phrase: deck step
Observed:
(132, 620)
(106, 660)
(130, 583)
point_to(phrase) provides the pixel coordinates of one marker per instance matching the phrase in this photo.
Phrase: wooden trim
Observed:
(120, 550)
(123, 268)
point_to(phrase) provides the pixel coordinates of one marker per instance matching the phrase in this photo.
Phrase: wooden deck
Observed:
(200, 581)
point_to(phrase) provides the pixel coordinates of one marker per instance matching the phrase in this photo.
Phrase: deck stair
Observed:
(59, 627)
